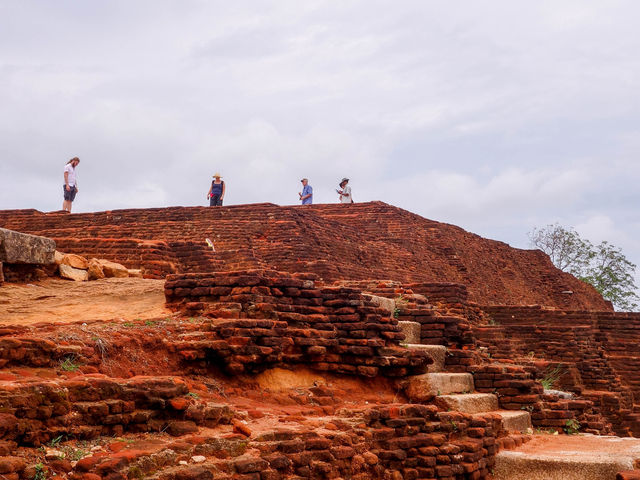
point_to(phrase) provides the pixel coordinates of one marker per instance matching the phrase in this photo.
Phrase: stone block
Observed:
(425, 387)
(387, 304)
(515, 420)
(74, 274)
(468, 403)
(514, 465)
(411, 331)
(177, 428)
(112, 269)
(75, 261)
(16, 247)
(95, 270)
(438, 354)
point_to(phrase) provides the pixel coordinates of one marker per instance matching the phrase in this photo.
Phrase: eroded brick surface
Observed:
(281, 361)
(337, 242)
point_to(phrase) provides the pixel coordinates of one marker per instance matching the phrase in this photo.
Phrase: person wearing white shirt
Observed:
(70, 187)
(345, 191)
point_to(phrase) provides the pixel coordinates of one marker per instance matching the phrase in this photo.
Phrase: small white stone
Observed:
(52, 454)
(97, 448)
(198, 459)
(183, 462)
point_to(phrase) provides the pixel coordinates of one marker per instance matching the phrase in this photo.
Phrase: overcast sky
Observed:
(495, 115)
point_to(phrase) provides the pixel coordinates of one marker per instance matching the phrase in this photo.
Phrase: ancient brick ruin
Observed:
(333, 341)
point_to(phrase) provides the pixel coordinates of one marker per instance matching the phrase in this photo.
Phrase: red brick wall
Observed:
(596, 353)
(283, 318)
(357, 242)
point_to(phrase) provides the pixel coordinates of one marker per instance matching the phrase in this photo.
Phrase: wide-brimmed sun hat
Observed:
(344, 180)
(217, 175)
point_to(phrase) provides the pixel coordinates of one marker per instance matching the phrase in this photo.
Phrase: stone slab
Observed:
(468, 403)
(385, 303)
(95, 270)
(22, 248)
(75, 261)
(568, 457)
(438, 354)
(515, 420)
(71, 273)
(112, 269)
(424, 387)
(411, 331)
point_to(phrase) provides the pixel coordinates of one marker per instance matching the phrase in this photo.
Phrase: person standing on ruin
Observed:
(345, 191)
(70, 187)
(306, 195)
(216, 192)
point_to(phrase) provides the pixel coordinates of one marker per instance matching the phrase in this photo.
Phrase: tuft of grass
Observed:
(401, 305)
(69, 364)
(551, 376)
(55, 441)
(128, 324)
(74, 454)
(571, 426)
(41, 471)
(193, 395)
(101, 347)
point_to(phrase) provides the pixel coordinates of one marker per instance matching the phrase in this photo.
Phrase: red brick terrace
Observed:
(338, 242)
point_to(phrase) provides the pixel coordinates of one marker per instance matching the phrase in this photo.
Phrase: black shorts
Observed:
(69, 196)
(215, 201)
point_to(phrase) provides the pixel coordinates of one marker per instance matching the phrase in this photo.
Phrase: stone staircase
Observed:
(455, 391)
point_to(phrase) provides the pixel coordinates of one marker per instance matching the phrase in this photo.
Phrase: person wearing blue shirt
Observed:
(306, 195)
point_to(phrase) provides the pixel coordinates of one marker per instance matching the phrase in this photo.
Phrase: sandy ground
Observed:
(57, 301)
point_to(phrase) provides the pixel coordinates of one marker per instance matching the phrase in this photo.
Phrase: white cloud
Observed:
(499, 115)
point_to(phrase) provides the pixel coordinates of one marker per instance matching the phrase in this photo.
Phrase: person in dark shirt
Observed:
(216, 192)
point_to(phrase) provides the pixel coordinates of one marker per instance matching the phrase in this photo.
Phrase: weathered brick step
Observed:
(387, 304)
(468, 403)
(89, 405)
(515, 420)
(411, 331)
(437, 353)
(33, 352)
(434, 384)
